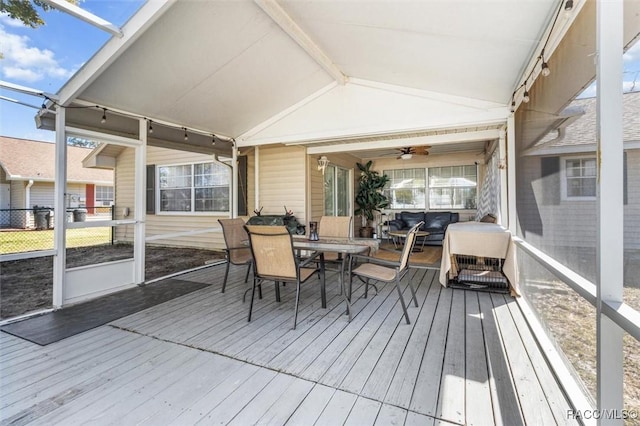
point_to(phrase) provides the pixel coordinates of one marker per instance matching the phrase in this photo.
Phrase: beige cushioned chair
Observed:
(388, 271)
(237, 252)
(275, 260)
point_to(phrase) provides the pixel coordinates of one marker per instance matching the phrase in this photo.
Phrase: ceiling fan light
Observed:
(406, 156)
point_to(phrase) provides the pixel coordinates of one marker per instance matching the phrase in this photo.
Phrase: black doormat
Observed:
(67, 322)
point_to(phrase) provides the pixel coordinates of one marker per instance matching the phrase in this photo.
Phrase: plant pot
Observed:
(366, 232)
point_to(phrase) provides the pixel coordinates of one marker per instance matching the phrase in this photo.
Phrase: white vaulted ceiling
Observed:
(312, 71)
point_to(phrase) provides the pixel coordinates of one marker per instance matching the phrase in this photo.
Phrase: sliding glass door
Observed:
(337, 191)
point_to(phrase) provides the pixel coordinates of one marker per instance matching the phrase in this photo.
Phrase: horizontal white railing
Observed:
(625, 316)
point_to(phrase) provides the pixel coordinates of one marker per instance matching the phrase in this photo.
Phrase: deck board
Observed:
(466, 358)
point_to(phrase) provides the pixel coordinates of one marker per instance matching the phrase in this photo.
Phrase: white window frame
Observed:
(158, 189)
(95, 196)
(390, 190)
(332, 168)
(563, 178)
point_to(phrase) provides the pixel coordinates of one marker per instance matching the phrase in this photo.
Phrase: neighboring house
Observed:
(562, 206)
(27, 174)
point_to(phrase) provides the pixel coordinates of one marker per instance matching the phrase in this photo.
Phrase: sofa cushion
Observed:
(438, 220)
(412, 218)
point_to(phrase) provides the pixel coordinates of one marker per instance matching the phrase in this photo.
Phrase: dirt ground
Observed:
(26, 285)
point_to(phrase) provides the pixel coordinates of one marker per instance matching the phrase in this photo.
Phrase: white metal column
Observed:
(610, 243)
(502, 171)
(140, 210)
(511, 173)
(234, 180)
(60, 214)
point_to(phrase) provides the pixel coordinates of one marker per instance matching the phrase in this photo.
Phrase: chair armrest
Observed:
(395, 224)
(309, 259)
(370, 259)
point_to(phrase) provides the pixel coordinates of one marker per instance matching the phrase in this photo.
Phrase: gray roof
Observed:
(24, 159)
(582, 131)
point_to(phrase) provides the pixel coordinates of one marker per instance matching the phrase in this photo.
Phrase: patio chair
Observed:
(334, 227)
(389, 271)
(237, 252)
(275, 260)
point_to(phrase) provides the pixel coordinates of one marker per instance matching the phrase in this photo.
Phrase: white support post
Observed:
(502, 170)
(256, 177)
(234, 180)
(60, 213)
(139, 205)
(610, 241)
(511, 174)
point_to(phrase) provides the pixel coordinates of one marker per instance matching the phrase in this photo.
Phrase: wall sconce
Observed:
(323, 162)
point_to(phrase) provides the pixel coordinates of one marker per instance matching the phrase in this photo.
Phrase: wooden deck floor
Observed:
(466, 358)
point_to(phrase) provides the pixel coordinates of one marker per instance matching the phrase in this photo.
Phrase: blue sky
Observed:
(45, 58)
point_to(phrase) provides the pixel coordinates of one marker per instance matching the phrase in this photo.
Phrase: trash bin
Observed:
(42, 219)
(79, 215)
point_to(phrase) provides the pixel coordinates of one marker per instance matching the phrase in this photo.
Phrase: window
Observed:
(202, 187)
(579, 178)
(337, 193)
(406, 188)
(104, 195)
(453, 187)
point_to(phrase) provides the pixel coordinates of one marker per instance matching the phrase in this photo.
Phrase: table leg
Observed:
(323, 286)
(345, 292)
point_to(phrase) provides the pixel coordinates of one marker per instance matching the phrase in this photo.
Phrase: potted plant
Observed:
(369, 196)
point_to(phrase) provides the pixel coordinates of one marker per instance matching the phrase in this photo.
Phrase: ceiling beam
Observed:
(447, 138)
(293, 30)
(85, 16)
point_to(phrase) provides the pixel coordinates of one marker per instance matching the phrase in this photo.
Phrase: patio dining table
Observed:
(346, 246)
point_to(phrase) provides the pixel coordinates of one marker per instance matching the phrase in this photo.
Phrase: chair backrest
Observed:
(409, 243)
(272, 250)
(234, 237)
(335, 226)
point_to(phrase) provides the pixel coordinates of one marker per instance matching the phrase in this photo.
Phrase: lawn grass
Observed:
(32, 240)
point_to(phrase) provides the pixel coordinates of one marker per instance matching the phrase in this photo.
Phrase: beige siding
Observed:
(159, 224)
(18, 194)
(316, 190)
(283, 181)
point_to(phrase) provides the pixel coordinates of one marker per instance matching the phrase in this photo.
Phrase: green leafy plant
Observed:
(369, 196)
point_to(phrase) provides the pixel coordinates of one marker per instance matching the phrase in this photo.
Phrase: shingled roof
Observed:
(582, 131)
(24, 159)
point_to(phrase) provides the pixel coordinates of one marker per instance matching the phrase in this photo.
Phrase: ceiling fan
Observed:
(408, 152)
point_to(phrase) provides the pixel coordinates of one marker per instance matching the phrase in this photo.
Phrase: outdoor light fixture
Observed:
(525, 96)
(186, 137)
(213, 139)
(513, 105)
(568, 6)
(323, 162)
(545, 67)
(150, 126)
(104, 116)
(406, 156)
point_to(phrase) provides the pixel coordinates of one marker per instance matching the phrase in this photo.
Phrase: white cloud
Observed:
(28, 63)
(4, 19)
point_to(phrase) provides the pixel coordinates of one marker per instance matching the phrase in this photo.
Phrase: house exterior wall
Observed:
(316, 181)
(283, 180)
(550, 222)
(164, 223)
